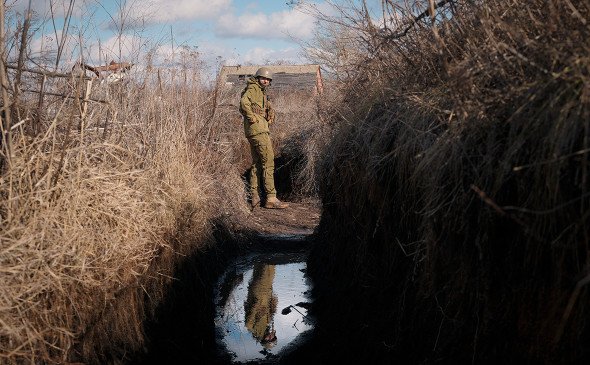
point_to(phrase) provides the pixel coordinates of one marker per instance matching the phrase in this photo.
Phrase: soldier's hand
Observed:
(271, 116)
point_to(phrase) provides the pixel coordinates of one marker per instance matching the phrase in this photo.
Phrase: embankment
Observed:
(108, 215)
(97, 212)
(456, 192)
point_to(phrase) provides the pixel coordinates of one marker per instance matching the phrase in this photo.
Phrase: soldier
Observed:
(258, 114)
(260, 306)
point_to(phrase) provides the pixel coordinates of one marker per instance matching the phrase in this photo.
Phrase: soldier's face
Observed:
(264, 81)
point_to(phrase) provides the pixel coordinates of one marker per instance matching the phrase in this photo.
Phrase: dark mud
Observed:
(184, 330)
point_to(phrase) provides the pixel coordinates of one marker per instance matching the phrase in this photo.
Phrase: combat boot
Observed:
(254, 200)
(274, 203)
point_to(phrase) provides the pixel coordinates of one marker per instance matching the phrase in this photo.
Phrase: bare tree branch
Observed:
(418, 18)
(43, 72)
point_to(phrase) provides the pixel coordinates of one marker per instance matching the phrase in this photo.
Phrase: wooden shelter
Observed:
(285, 77)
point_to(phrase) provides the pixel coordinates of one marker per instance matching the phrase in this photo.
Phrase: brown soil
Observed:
(298, 220)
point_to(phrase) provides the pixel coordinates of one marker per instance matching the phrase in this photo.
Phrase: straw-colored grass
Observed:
(70, 246)
(94, 220)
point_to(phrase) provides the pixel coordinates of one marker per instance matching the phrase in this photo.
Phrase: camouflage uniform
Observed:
(258, 114)
(261, 304)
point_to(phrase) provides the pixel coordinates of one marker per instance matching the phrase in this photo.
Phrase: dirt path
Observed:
(293, 223)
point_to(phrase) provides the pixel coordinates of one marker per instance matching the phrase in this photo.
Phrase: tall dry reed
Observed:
(97, 210)
(456, 186)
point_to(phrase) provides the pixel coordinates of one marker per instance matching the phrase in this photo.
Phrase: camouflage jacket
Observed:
(256, 109)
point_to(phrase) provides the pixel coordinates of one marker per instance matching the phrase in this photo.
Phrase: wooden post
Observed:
(36, 128)
(87, 91)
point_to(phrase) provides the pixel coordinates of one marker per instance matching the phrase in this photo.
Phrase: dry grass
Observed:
(458, 178)
(95, 219)
(295, 138)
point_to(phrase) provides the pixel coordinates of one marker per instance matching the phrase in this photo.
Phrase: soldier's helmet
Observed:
(264, 72)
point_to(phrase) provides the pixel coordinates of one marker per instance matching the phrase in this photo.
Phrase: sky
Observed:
(221, 32)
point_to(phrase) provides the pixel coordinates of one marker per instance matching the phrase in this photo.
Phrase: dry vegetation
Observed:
(99, 205)
(101, 201)
(455, 190)
(451, 154)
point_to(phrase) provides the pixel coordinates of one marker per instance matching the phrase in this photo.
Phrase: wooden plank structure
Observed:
(286, 77)
(112, 73)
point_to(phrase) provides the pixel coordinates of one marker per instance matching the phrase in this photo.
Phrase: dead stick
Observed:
(67, 96)
(570, 307)
(6, 122)
(486, 199)
(46, 73)
(37, 121)
(21, 61)
(483, 196)
(419, 17)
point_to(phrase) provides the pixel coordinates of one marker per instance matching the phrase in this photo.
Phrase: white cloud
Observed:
(163, 11)
(44, 44)
(215, 55)
(124, 48)
(284, 24)
(44, 8)
(43, 49)
(260, 55)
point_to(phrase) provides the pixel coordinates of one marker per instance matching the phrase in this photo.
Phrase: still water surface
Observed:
(261, 305)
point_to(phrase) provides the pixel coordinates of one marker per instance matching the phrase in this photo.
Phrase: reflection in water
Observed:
(261, 305)
(249, 295)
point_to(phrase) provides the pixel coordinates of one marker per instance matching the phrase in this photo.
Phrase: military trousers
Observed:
(263, 165)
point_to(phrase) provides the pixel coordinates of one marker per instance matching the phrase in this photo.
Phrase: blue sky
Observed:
(221, 31)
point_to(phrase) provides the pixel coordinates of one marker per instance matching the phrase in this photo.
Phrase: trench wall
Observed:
(456, 210)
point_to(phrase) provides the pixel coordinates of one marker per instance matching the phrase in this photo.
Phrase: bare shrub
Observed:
(455, 190)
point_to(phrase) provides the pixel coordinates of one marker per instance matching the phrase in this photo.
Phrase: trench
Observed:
(227, 300)
(262, 303)
(245, 299)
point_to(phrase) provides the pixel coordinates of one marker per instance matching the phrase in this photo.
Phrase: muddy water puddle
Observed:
(261, 306)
